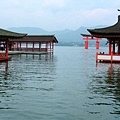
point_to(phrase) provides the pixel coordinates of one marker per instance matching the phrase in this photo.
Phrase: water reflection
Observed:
(25, 75)
(105, 87)
(4, 69)
(4, 84)
(46, 57)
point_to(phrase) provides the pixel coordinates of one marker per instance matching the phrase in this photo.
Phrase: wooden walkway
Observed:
(25, 52)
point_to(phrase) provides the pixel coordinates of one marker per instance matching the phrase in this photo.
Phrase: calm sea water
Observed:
(68, 85)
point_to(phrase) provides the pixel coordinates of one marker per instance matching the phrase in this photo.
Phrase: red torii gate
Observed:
(89, 37)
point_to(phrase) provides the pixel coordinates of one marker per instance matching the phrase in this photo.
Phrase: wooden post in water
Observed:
(96, 56)
(26, 46)
(33, 46)
(97, 44)
(86, 43)
(6, 51)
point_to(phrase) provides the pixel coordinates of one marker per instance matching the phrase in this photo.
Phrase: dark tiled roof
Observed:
(9, 34)
(37, 38)
(111, 31)
(86, 35)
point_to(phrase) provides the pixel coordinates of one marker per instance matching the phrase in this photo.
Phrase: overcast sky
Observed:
(58, 14)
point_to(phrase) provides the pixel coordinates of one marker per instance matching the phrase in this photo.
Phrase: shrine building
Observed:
(34, 43)
(5, 37)
(112, 34)
(11, 42)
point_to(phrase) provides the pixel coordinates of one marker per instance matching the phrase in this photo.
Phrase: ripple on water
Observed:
(67, 85)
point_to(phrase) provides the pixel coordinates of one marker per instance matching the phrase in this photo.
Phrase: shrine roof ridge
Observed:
(36, 38)
(110, 30)
(10, 34)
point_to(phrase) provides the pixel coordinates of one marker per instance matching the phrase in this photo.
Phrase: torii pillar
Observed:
(86, 43)
(97, 43)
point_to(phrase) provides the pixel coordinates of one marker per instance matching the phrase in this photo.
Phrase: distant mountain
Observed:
(63, 36)
(29, 30)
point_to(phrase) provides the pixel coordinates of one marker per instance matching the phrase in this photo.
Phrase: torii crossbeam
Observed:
(89, 37)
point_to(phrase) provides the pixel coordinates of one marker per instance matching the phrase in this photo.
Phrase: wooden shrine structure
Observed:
(112, 34)
(87, 37)
(44, 43)
(19, 43)
(5, 37)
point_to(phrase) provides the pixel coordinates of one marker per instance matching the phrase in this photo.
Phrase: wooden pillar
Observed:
(113, 47)
(46, 47)
(96, 56)
(39, 46)
(20, 46)
(111, 57)
(109, 46)
(86, 42)
(50, 46)
(6, 52)
(33, 46)
(26, 46)
(118, 47)
(97, 44)
(17, 46)
(12, 46)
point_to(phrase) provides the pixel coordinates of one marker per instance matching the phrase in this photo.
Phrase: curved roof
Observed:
(9, 34)
(111, 31)
(36, 38)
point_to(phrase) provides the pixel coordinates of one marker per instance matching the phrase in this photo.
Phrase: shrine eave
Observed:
(105, 35)
(100, 32)
(5, 34)
(36, 38)
(86, 35)
(111, 31)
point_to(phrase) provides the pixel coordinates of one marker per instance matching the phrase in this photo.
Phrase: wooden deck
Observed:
(25, 52)
(108, 57)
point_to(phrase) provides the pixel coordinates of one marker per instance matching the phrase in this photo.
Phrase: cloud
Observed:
(99, 16)
(57, 14)
(54, 3)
